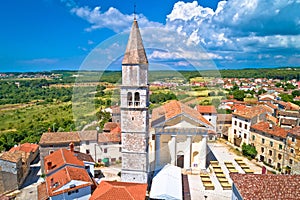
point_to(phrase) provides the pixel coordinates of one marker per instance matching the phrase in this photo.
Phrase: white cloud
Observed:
(99, 19)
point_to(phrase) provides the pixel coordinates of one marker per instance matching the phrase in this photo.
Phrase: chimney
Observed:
(71, 146)
(49, 165)
(49, 129)
(270, 126)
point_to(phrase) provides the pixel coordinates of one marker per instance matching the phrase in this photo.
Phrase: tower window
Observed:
(129, 99)
(136, 99)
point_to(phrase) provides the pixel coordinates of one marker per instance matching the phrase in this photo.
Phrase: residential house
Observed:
(223, 125)
(209, 113)
(11, 173)
(242, 120)
(109, 142)
(269, 141)
(52, 141)
(264, 186)
(67, 177)
(89, 143)
(293, 150)
(31, 149)
(289, 119)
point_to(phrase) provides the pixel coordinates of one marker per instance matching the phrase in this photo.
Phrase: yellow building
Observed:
(293, 150)
(270, 143)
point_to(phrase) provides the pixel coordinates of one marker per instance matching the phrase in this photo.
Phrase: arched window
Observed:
(136, 99)
(129, 99)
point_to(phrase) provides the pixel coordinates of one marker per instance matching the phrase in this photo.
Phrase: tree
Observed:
(239, 95)
(249, 150)
(296, 93)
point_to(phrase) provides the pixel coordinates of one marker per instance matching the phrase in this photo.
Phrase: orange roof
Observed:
(206, 109)
(109, 137)
(265, 128)
(109, 126)
(26, 147)
(250, 112)
(61, 157)
(113, 190)
(65, 175)
(295, 131)
(42, 191)
(174, 108)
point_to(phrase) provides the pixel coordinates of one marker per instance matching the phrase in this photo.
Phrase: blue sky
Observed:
(39, 35)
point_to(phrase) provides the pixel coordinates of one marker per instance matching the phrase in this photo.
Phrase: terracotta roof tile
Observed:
(295, 131)
(250, 112)
(112, 190)
(267, 186)
(109, 126)
(206, 109)
(174, 108)
(26, 147)
(224, 118)
(88, 135)
(265, 128)
(109, 137)
(60, 178)
(61, 157)
(11, 156)
(59, 138)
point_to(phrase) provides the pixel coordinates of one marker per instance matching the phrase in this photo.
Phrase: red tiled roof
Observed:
(174, 108)
(295, 131)
(250, 112)
(109, 126)
(61, 157)
(65, 175)
(59, 138)
(113, 190)
(265, 127)
(271, 105)
(26, 147)
(206, 109)
(267, 186)
(109, 137)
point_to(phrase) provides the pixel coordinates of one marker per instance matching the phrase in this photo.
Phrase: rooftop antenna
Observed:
(134, 13)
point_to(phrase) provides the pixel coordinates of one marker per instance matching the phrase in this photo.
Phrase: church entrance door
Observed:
(180, 161)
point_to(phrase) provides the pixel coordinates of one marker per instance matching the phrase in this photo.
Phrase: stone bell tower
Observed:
(134, 110)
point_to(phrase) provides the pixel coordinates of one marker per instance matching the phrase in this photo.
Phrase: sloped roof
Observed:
(109, 126)
(135, 52)
(59, 138)
(274, 130)
(11, 156)
(113, 190)
(109, 137)
(267, 186)
(174, 108)
(65, 175)
(167, 184)
(61, 157)
(250, 112)
(206, 109)
(295, 131)
(88, 135)
(26, 147)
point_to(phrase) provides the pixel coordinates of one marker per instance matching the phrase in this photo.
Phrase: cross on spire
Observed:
(134, 13)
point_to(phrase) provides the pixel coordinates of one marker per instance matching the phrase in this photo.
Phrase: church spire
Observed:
(135, 52)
